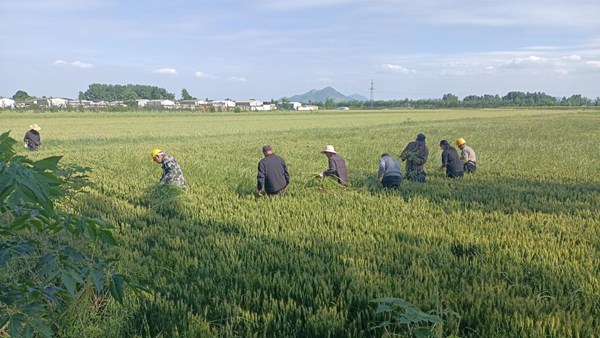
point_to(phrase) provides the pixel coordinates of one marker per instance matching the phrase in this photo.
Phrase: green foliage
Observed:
(512, 248)
(186, 96)
(104, 92)
(39, 269)
(22, 95)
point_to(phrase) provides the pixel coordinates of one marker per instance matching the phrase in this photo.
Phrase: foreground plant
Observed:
(41, 268)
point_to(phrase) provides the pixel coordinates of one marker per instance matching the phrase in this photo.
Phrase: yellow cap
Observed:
(460, 141)
(155, 152)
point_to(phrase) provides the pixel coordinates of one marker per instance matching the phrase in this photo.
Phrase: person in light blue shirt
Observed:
(390, 173)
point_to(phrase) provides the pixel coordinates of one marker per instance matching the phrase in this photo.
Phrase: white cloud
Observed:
(76, 64)
(166, 71)
(561, 71)
(204, 75)
(398, 69)
(594, 64)
(324, 79)
(238, 79)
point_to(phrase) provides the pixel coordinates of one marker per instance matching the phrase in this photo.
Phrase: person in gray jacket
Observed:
(389, 170)
(273, 174)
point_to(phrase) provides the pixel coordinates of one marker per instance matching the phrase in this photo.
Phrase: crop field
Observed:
(513, 249)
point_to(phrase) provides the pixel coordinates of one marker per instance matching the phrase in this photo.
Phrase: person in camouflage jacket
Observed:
(172, 173)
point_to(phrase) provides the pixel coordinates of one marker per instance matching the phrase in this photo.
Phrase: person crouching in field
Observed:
(273, 174)
(467, 156)
(389, 170)
(337, 166)
(450, 161)
(32, 138)
(415, 154)
(172, 173)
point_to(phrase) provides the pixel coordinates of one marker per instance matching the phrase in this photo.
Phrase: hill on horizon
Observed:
(324, 94)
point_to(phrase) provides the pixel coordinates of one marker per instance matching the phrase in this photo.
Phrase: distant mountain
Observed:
(358, 97)
(322, 96)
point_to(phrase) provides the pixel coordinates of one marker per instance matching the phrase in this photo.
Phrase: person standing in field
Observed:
(467, 156)
(172, 173)
(273, 174)
(389, 170)
(415, 154)
(32, 138)
(337, 166)
(450, 161)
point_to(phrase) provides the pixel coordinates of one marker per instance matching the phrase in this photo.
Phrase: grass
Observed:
(515, 249)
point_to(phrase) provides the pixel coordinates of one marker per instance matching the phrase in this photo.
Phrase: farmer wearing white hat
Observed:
(337, 166)
(32, 138)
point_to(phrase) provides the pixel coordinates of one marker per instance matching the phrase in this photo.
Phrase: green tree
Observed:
(39, 268)
(186, 96)
(80, 97)
(329, 104)
(22, 95)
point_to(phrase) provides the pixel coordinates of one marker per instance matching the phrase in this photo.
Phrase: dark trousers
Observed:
(391, 182)
(31, 146)
(417, 176)
(470, 167)
(451, 174)
(280, 193)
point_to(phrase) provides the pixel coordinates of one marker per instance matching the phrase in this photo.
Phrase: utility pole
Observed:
(372, 89)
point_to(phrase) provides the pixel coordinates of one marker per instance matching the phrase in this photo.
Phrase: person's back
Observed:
(390, 172)
(450, 159)
(32, 140)
(172, 173)
(273, 174)
(337, 167)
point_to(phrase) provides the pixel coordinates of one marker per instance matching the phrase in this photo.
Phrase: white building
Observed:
(7, 103)
(223, 105)
(53, 101)
(251, 105)
(80, 103)
(161, 103)
(308, 107)
(142, 102)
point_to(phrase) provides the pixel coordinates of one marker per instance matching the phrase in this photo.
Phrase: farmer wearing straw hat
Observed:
(172, 173)
(32, 138)
(273, 174)
(337, 166)
(415, 154)
(467, 156)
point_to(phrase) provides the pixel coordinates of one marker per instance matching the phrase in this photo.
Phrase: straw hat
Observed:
(329, 149)
(35, 127)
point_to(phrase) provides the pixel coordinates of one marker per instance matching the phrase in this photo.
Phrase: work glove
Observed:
(320, 174)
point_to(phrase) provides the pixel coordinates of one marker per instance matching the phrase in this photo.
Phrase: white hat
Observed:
(329, 149)
(35, 127)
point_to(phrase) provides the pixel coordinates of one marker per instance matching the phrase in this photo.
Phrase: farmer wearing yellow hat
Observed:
(467, 156)
(172, 173)
(32, 138)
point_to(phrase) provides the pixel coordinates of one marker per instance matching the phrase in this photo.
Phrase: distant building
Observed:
(53, 101)
(142, 102)
(224, 105)
(101, 104)
(81, 103)
(308, 107)
(343, 108)
(7, 103)
(248, 105)
(161, 103)
(118, 103)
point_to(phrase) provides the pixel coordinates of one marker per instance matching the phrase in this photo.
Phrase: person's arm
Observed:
(463, 156)
(26, 138)
(422, 156)
(260, 178)
(404, 154)
(286, 174)
(332, 168)
(381, 168)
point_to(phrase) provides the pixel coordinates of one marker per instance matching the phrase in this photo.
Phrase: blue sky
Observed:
(272, 48)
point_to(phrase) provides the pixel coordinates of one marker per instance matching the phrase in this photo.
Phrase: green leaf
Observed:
(108, 238)
(97, 279)
(423, 332)
(49, 163)
(41, 328)
(383, 308)
(69, 283)
(15, 325)
(3, 320)
(28, 332)
(116, 288)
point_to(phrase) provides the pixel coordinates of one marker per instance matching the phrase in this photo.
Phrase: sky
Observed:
(268, 49)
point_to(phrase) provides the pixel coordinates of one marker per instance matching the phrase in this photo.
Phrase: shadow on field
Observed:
(165, 199)
(502, 194)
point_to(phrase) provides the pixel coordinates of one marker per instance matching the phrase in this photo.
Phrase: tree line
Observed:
(512, 99)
